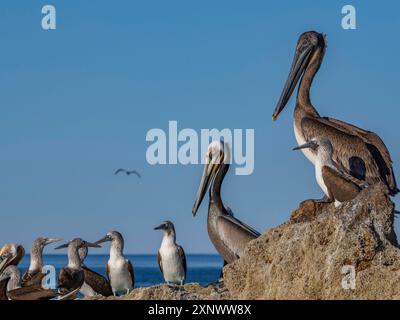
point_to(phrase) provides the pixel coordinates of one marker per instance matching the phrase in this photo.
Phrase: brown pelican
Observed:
(10, 254)
(357, 152)
(11, 287)
(34, 274)
(72, 276)
(128, 172)
(119, 269)
(228, 234)
(171, 257)
(337, 185)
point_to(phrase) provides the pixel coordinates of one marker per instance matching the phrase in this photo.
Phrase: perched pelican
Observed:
(337, 185)
(171, 257)
(11, 287)
(357, 152)
(95, 284)
(119, 269)
(72, 276)
(10, 254)
(228, 234)
(34, 274)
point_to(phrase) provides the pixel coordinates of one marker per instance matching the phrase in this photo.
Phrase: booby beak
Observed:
(63, 246)
(308, 145)
(51, 240)
(299, 64)
(105, 239)
(91, 245)
(162, 226)
(209, 172)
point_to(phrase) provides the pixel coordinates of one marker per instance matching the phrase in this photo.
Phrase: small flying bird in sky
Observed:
(128, 172)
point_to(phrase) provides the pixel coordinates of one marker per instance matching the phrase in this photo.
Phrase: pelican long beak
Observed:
(308, 145)
(52, 240)
(299, 64)
(105, 239)
(210, 170)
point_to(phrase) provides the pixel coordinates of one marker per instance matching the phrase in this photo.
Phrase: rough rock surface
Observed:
(304, 258)
(191, 291)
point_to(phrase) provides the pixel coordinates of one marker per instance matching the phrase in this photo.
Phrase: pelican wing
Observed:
(231, 216)
(338, 186)
(97, 282)
(181, 253)
(3, 289)
(159, 260)
(35, 292)
(375, 145)
(351, 152)
(235, 234)
(131, 272)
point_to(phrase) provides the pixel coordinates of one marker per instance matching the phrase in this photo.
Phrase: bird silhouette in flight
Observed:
(128, 172)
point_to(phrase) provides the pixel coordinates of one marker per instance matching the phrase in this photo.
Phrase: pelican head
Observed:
(111, 236)
(308, 46)
(218, 153)
(78, 243)
(10, 254)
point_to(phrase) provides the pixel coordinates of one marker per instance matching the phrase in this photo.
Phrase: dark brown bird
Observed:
(229, 235)
(95, 284)
(337, 185)
(356, 151)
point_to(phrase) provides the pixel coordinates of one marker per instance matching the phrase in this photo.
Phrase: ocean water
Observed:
(202, 268)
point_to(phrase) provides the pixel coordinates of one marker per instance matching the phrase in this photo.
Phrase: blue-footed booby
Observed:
(95, 284)
(337, 185)
(119, 269)
(171, 256)
(72, 276)
(228, 234)
(356, 151)
(34, 274)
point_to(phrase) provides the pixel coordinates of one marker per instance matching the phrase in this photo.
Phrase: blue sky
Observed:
(76, 104)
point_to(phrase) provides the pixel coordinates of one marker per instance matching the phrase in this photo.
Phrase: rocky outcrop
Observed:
(323, 252)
